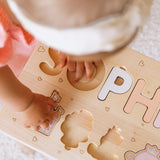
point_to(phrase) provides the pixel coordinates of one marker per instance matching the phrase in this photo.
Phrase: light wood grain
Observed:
(106, 114)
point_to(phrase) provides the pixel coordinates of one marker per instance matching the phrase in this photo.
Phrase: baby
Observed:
(83, 30)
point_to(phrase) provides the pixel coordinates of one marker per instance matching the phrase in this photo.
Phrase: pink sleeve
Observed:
(8, 33)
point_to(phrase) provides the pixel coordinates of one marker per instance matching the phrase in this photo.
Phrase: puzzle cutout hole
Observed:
(108, 145)
(83, 84)
(119, 81)
(76, 128)
(48, 68)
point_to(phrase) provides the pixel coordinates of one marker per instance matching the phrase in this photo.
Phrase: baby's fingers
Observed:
(33, 127)
(51, 102)
(71, 65)
(79, 71)
(97, 63)
(45, 124)
(89, 67)
(26, 125)
(62, 59)
(36, 128)
(48, 106)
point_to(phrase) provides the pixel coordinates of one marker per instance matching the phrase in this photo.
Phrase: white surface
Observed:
(98, 36)
(147, 42)
(110, 86)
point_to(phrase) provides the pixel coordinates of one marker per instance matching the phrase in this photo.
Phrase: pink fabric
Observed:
(16, 45)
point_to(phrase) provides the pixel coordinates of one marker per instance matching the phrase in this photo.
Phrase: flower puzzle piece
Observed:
(76, 128)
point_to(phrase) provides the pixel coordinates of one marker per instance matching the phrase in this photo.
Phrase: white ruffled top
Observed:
(104, 34)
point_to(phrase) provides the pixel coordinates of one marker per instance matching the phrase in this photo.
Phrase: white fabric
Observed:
(147, 42)
(101, 35)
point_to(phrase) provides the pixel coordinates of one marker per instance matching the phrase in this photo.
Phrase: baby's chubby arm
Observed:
(31, 108)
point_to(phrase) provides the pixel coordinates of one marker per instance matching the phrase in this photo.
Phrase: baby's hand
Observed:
(79, 67)
(38, 114)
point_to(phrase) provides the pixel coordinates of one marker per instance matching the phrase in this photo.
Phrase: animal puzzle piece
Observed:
(108, 145)
(76, 128)
(149, 153)
(51, 67)
(57, 112)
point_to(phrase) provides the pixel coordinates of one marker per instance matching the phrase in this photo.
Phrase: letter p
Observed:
(111, 86)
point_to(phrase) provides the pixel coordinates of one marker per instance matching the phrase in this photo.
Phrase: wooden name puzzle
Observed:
(114, 116)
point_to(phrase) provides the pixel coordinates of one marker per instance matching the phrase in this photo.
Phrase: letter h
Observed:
(137, 97)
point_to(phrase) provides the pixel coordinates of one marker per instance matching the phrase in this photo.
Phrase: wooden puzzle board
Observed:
(106, 114)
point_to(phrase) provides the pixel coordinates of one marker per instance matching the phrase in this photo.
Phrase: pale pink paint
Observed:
(149, 153)
(157, 121)
(145, 156)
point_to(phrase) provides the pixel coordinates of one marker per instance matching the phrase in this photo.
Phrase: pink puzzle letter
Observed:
(137, 97)
(157, 121)
(110, 86)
